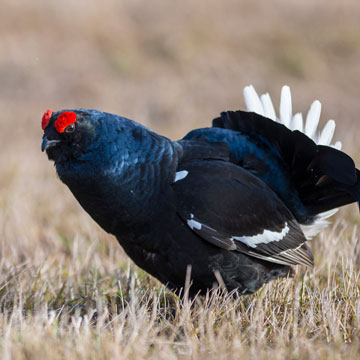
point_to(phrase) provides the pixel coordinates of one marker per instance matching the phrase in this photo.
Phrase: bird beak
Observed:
(47, 144)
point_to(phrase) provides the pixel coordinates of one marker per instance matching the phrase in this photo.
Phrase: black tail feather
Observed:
(321, 198)
(324, 177)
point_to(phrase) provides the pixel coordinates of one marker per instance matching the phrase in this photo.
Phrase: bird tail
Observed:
(324, 177)
(328, 194)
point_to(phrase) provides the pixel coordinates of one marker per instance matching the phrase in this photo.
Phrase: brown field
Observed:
(67, 290)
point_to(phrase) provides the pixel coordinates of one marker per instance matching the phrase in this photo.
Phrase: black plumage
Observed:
(228, 201)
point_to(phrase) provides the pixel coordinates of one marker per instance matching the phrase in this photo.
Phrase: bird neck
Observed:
(121, 192)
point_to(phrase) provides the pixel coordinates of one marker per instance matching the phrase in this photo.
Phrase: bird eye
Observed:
(70, 128)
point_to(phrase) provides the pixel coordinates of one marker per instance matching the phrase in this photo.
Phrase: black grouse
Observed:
(231, 202)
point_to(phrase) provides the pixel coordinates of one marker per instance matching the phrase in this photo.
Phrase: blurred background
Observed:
(170, 65)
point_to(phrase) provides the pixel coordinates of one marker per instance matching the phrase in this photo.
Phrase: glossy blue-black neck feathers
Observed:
(118, 178)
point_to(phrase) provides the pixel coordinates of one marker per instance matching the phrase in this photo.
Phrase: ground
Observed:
(67, 290)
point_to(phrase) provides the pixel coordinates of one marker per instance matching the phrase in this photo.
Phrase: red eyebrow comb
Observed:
(45, 119)
(64, 120)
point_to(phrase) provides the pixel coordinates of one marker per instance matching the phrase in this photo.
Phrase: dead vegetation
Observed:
(66, 288)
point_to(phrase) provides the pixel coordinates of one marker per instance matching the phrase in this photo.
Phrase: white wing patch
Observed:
(193, 224)
(265, 237)
(181, 175)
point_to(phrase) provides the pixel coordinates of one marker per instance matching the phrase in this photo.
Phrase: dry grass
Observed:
(66, 289)
(77, 296)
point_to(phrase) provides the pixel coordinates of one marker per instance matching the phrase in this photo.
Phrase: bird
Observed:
(230, 205)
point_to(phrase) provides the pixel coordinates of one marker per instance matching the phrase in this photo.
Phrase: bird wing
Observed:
(232, 209)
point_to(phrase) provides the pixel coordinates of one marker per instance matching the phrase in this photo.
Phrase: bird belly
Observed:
(170, 256)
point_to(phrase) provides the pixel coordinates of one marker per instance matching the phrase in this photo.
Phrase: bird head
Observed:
(102, 157)
(84, 137)
(67, 133)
